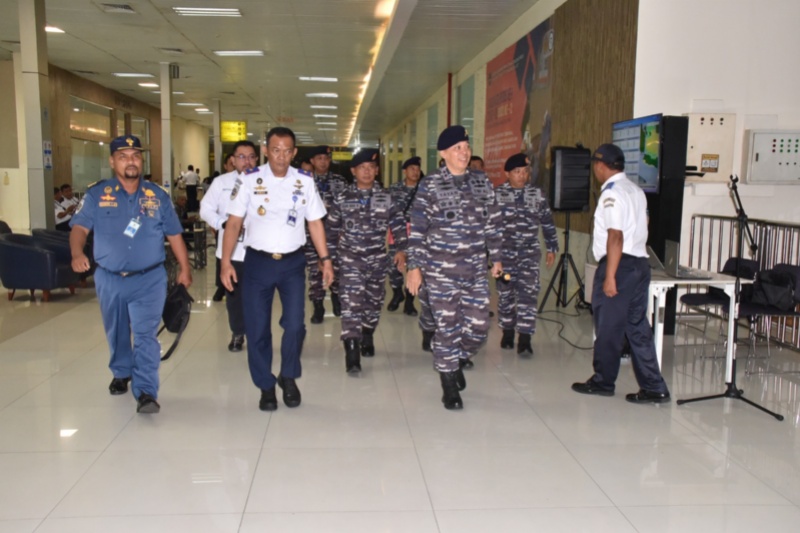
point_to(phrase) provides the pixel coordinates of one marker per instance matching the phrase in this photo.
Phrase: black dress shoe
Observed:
(352, 356)
(367, 342)
(524, 348)
(319, 312)
(450, 396)
(408, 305)
(507, 342)
(237, 342)
(336, 304)
(644, 396)
(268, 401)
(147, 405)
(465, 364)
(591, 387)
(118, 386)
(219, 294)
(291, 394)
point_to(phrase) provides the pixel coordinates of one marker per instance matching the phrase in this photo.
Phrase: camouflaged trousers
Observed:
(517, 299)
(363, 288)
(315, 290)
(461, 314)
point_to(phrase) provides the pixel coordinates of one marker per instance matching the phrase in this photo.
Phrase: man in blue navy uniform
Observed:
(621, 282)
(277, 200)
(130, 218)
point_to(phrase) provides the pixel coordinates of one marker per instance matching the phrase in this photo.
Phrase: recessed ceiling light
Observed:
(322, 95)
(249, 133)
(326, 116)
(67, 432)
(317, 78)
(53, 29)
(190, 104)
(76, 109)
(131, 75)
(326, 123)
(239, 53)
(148, 85)
(207, 11)
(324, 107)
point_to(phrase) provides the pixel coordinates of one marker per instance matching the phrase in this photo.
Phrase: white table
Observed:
(660, 283)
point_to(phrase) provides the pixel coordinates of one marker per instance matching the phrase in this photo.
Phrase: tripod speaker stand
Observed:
(565, 262)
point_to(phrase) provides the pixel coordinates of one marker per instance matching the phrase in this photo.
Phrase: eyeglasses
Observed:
(243, 157)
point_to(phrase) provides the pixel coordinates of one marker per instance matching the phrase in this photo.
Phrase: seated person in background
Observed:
(187, 221)
(63, 214)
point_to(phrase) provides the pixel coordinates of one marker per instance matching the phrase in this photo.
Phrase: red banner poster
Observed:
(518, 95)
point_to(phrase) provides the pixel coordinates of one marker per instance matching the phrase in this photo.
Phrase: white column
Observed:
(35, 91)
(166, 126)
(216, 107)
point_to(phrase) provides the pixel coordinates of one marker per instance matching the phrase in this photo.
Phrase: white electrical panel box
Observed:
(710, 146)
(772, 157)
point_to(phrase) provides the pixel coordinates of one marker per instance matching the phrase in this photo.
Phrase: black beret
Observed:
(364, 156)
(320, 150)
(416, 160)
(610, 154)
(450, 136)
(516, 161)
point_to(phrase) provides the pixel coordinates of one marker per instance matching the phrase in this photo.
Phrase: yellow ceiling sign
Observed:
(341, 155)
(232, 131)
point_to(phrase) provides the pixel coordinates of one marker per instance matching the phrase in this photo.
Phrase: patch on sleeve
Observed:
(235, 190)
(609, 202)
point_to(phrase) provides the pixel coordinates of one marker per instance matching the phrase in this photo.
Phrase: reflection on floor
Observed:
(378, 452)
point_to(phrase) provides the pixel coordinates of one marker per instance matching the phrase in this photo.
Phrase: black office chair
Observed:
(5, 229)
(716, 298)
(754, 311)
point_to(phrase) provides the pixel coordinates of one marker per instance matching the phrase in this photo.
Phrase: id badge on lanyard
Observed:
(133, 227)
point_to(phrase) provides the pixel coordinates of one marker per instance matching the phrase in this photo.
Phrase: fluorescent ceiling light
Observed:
(148, 85)
(249, 133)
(67, 432)
(76, 109)
(326, 116)
(239, 53)
(190, 104)
(301, 133)
(173, 92)
(326, 123)
(322, 95)
(53, 29)
(207, 11)
(205, 112)
(202, 109)
(324, 107)
(317, 78)
(327, 129)
(131, 75)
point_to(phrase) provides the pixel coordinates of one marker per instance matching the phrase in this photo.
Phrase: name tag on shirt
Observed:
(133, 227)
(291, 219)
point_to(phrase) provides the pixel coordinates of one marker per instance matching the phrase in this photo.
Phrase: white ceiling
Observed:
(330, 38)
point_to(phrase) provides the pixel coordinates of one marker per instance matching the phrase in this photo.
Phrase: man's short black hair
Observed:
(476, 158)
(244, 143)
(65, 187)
(56, 190)
(190, 167)
(281, 131)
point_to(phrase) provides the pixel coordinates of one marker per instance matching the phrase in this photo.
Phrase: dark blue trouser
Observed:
(233, 301)
(262, 275)
(625, 314)
(133, 305)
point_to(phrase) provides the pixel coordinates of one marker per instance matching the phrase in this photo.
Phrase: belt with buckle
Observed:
(128, 274)
(276, 256)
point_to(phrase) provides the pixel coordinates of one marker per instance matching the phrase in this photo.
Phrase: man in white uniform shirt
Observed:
(214, 210)
(621, 283)
(191, 179)
(277, 201)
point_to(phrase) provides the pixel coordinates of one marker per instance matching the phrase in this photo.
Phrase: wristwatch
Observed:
(326, 258)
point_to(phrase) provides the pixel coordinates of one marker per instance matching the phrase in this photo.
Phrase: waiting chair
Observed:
(26, 265)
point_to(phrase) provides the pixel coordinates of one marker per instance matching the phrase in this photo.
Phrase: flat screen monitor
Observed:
(640, 139)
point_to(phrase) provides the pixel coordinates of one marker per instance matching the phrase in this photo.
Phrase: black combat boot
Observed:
(352, 356)
(465, 363)
(319, 312)
(397, 297)
(408, 306)
(367, 344)
(524, 347)
(507, 342)
(450, 398)
(336, 304)
(427, 337)
(461, 380)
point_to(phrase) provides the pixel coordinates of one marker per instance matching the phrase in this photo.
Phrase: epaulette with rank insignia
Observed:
(251, 170)
(305, 172)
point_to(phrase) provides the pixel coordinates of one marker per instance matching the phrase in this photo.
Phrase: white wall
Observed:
(732, 56)
(190, 146)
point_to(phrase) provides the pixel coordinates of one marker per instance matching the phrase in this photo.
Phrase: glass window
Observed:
(120, 124)
(140, 127)
(466, 104)
(89, 120)
(433, 136)
(89, 163)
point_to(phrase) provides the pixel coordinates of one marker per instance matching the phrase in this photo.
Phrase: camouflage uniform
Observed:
(357, 222)
(454, 219)
(328, 186)
(523, 211)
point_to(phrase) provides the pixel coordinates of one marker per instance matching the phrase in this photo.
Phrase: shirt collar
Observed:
(613, 179)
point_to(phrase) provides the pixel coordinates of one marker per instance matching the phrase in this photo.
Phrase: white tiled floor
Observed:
(379, 452)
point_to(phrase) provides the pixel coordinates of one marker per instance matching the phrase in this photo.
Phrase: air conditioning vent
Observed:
(118, 8)
(171, 51)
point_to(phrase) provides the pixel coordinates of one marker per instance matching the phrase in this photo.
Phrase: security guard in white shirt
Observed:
(214, 210)
(277, 200)
(621, 283)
